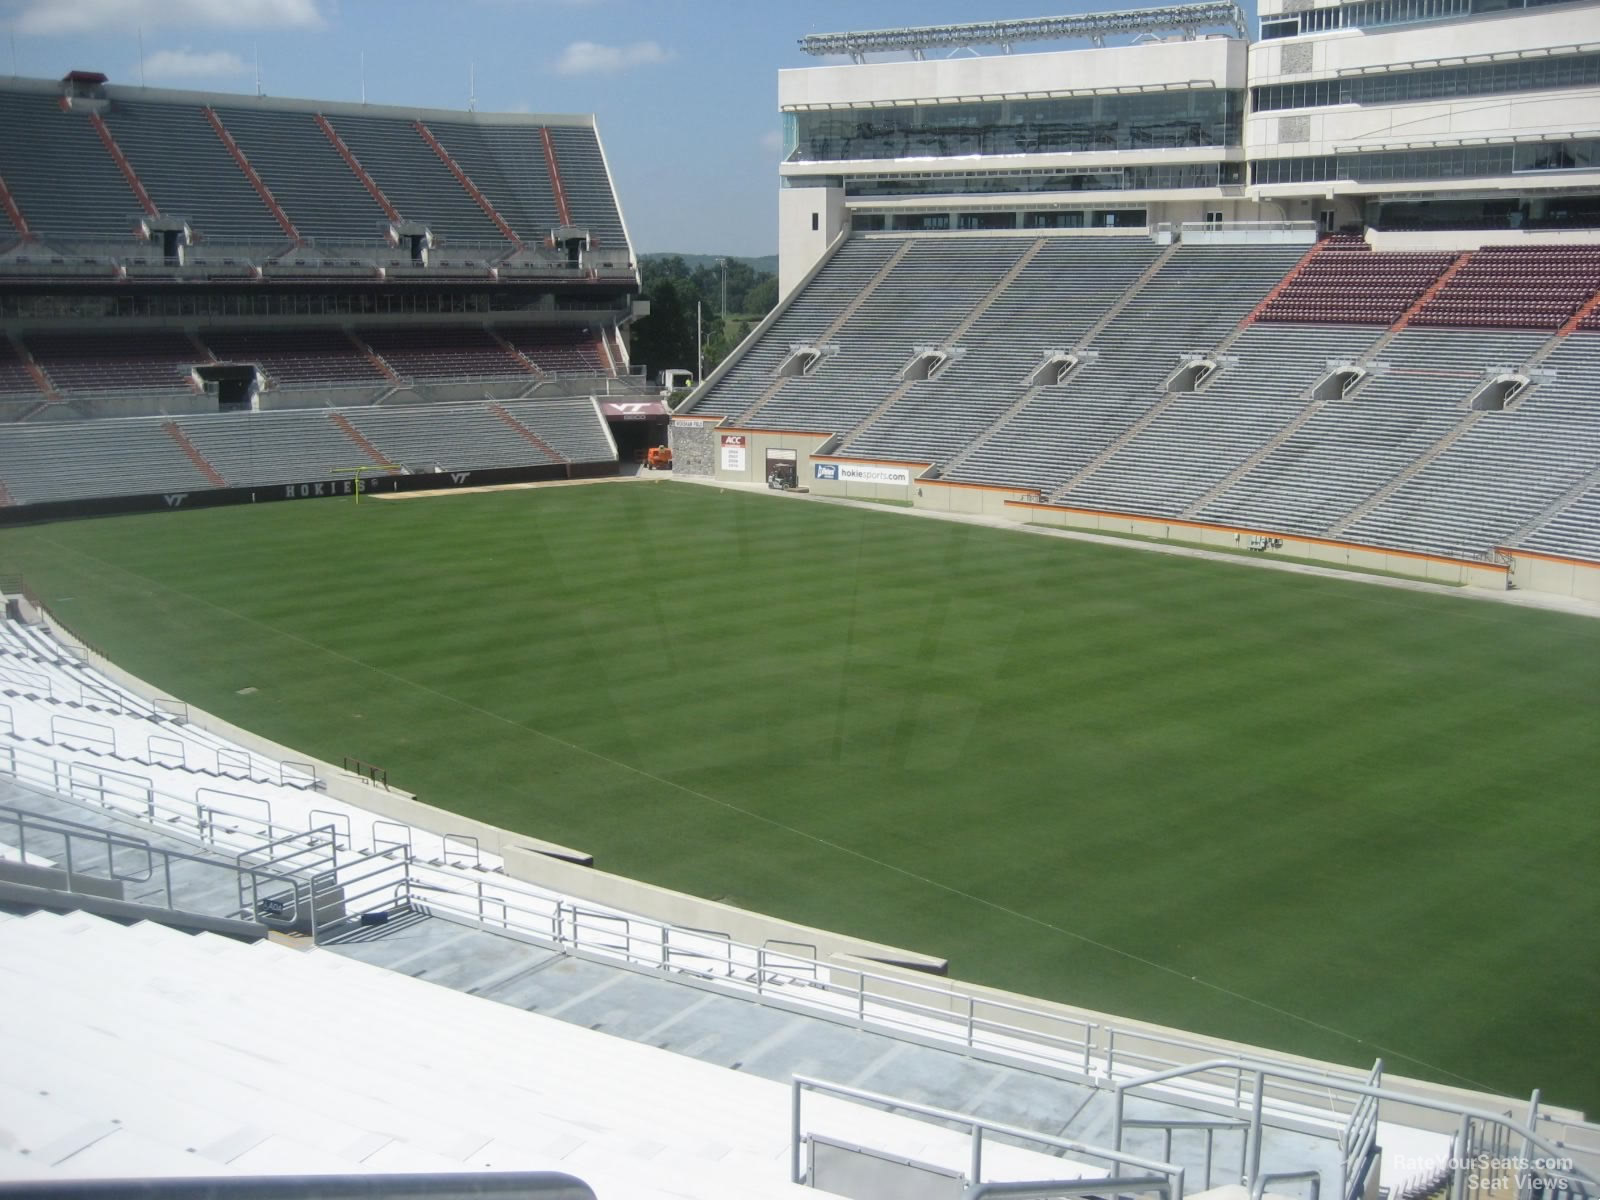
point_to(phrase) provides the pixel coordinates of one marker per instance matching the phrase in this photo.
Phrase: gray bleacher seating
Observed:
(1049, 306)
(189, 173)
(929, 292)
(77, 459)
(1191, 304)
(309, 178)
(572, 428)
(414, 178)
(1505, 470)
(841, 279)
(1198, 439)
(590, 197)
(59, 172)
(1352, 447)
(429, 437)
(1574, 532)
(262, 448)
(507, 164)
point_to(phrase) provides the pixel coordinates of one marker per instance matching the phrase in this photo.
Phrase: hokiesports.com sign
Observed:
(831, 472)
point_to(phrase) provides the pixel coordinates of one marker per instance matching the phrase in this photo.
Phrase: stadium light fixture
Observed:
(1188, 19)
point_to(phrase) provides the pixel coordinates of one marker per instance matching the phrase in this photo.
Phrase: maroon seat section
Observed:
(115, 361)
(1348, 283)
(1517, 287)
(560, 351)
(301, 358)
(443, 354)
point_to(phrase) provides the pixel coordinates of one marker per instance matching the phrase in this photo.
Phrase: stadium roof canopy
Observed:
(1188, 19)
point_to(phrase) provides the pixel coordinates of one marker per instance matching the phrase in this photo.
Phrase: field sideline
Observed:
(1333, 818)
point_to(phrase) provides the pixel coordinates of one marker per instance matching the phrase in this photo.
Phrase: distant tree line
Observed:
(665, 339)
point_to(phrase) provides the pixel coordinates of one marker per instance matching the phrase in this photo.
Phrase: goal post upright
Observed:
(361, 470)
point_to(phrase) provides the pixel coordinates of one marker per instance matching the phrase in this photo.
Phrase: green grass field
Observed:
(1304, 812)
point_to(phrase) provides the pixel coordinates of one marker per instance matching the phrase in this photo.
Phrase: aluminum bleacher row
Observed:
(1266, 442)
(73, 193)
(76, 460)
(80, 363)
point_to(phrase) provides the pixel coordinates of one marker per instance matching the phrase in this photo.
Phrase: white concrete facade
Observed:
(1113, 186)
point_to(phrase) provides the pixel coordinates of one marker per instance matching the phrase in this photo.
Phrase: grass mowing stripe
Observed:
(1275, 782)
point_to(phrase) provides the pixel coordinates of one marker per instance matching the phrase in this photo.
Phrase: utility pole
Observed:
(723, 263)
(699, 347)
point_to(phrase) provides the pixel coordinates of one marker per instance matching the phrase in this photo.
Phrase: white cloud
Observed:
(187, 64)
(592, 58)
(91, 16)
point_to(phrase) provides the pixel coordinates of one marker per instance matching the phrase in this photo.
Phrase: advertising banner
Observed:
(860, 473)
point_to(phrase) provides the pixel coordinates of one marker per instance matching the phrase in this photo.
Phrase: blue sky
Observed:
(685, 90)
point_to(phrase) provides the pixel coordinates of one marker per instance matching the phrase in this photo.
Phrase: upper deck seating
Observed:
(507, 165)
(587, 184)
(308, 177)
(59, 173)
(415, 179)
(189, 173)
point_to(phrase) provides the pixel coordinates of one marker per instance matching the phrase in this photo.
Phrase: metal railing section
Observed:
(1483, 1139)
(1162, 1177)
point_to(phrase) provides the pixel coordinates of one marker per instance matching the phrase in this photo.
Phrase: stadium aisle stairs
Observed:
(224, 1057)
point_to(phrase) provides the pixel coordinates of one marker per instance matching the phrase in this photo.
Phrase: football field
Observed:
(1310, 813)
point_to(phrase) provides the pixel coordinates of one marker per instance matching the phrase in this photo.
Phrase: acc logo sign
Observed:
(829, 471)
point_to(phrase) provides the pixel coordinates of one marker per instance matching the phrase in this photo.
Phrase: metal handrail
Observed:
(1465, 1114)
(978, 1126)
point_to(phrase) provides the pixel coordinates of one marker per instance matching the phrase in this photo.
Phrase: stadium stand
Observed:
(921, 301)
(313, 357)
(1357, 288)
(1353, 445)
(443, 353)
(414, 178)
(189, 173)
(1574, 531)
(116, 362)
(1048, 307)
(1504, 470)
(1194, 300)
(1524, 287)
(89, 458)
(1195, 441)
(586, 184)
(309, 177)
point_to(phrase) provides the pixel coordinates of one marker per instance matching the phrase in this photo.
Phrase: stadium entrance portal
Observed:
(636, 426)
(233, 384)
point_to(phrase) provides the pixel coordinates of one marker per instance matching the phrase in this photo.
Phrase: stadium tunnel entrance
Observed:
(233, 384)
(635, 425)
